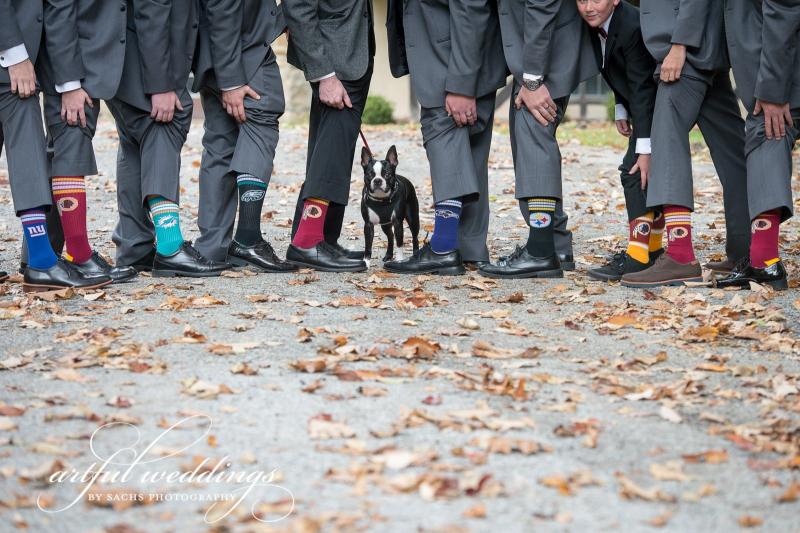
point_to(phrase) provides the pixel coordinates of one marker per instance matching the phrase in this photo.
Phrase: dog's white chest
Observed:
(373, 216)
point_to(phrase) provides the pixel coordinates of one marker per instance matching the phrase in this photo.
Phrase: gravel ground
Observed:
(405, 404)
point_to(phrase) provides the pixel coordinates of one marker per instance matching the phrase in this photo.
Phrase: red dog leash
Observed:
(364, 140)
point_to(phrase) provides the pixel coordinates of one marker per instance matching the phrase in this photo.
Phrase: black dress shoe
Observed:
(62, 275)
(475, 265)
(324, 257)
(145, 264)
(261, 256)
(619, 265)
(567, 262)
(521, 264)
(96, 265)
(744, 273)
(188, 262)
(348, 253)
(426, 261)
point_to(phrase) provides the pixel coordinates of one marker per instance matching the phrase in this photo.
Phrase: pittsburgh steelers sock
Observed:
(167, 221)
(639, 237)
(69, 194)
(310, 232)
(252, 191)
(541, 237)
(34, 225)
(678, 223)
(764, 245)
(445, 226)
(657, 233)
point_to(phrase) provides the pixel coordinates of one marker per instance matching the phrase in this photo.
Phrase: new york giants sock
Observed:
(678, 223)
(34, 225)
(69, 193)
(639, 237)
(764, 245)
(445, 226)
(541, 236)
(657, 233)
(312, 223)
(166, 219)
(252, 191)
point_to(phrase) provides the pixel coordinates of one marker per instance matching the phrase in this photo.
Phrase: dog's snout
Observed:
(378, 182)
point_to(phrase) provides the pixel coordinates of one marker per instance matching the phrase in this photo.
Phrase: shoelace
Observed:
(514, 255)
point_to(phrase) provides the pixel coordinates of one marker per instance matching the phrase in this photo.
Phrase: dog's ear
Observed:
(366, 157)
(391, 156)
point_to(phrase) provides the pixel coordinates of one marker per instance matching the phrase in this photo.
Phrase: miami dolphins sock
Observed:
(766, 233)
(541, 237)
(34, 225)
(69, 194)
(639, 237)
(252, 191)
(657, 233)
(166, 219)
(445, 226)
(312, 223)
(678, 221)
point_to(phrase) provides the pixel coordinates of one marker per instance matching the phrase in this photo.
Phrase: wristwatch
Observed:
(532, 85)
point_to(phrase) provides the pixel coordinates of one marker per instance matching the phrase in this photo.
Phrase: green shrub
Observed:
(378, 110)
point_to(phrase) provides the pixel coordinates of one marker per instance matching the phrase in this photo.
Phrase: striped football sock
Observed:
(445, 226)
(541, 236)
(639, 237)
(252, 191)
(167, 221)
(40, 253)
(657, 233)
(69, 194)
(678, 223)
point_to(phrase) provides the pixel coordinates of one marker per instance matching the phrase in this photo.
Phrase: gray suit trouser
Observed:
(231, 149)
(714, 108)
(459, 164)
(23, 137)
(769, 167)
(537, 165)
(148, 164)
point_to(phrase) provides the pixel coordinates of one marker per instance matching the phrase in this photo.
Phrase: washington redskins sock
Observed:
(678, 223)
(34, 225)
(764, 244)
(657, 233)
(639, 230)
(541, 237)
(167, 221)
(445, 226)
(310, 232)
(252, 191)
(69, 194)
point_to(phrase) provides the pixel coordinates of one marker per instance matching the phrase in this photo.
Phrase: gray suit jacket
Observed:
(20, 23)
(235, 37)
(330, 36)
(698, 24)
(453, 46)
(767, 69)
(159, 50)
(85, 41)
(549, 38)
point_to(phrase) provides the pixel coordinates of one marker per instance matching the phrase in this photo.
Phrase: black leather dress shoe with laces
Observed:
(325, 258)
(745, 273)
(62, 275)
(426, 261)
(261, 256)
(96, 265)
(187, 262)
(521, 265)
(348, 253)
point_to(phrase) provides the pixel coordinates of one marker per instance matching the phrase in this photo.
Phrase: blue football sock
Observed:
(167, 221)
(40, 253)
(445, 228)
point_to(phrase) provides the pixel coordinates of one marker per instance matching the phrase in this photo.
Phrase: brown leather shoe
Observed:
(665, 271)
(721, 267)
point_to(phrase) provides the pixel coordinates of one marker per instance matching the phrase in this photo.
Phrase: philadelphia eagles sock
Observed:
(445, 226)
(252, 191)
(541, 237)
(167, 221)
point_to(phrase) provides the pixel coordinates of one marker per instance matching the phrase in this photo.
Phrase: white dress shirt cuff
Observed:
(332, 74)
(620, 113)
(232, 88)
(643, 146)
(532, 77)
(12, 56)
(68, 86)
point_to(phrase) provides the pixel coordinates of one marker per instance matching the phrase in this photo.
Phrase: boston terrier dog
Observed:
(387, 200)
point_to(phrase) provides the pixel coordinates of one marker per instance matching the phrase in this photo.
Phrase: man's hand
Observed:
(776, 118)
(164, 106)
(23, 79)
(333, 94)
(642, 165)
(461, 108)
(673, 64)
(233, 101)
(72, 107)
(624, 127)
(539, 103)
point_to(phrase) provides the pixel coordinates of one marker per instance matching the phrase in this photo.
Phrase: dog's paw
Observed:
(387, 257)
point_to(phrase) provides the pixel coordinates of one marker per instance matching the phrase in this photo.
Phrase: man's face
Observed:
(596, 12)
